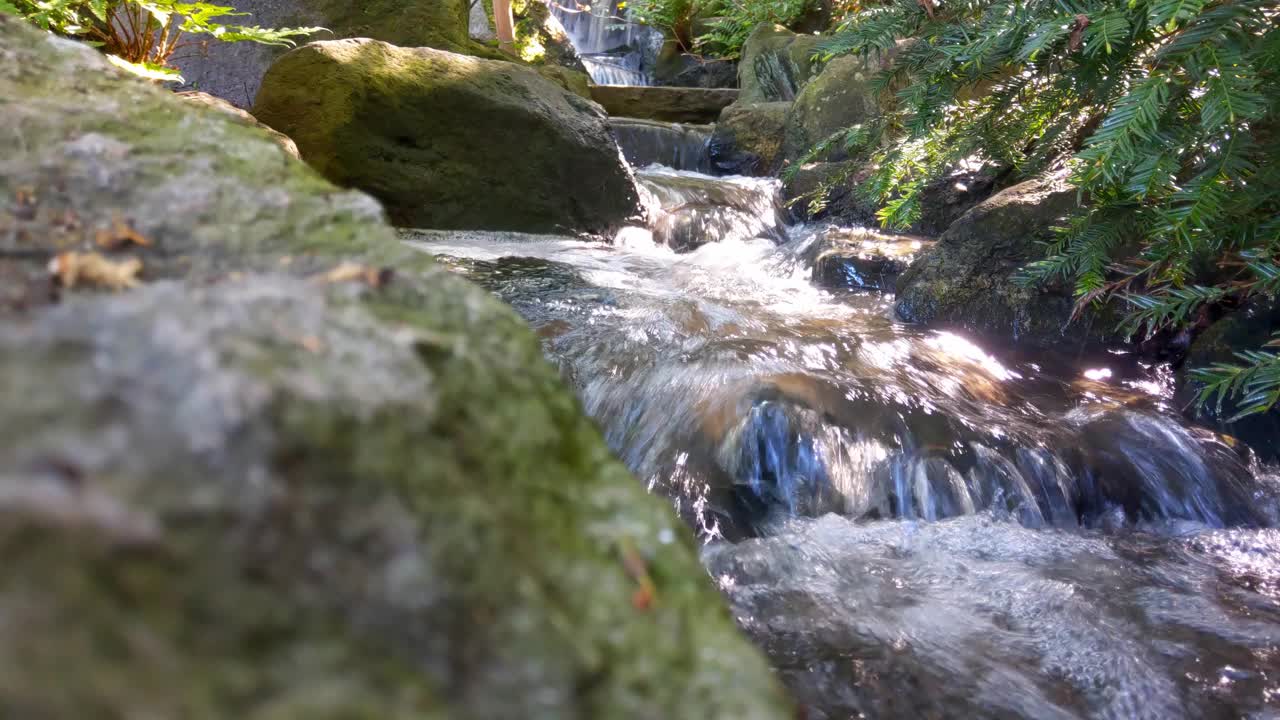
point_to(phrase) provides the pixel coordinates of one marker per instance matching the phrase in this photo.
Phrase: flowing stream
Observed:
(911, 522)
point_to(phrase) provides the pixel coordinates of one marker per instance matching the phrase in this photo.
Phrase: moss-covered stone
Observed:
(968, 278)
(252, 489)
(775, 64)
(748, 138)
(837, 98)
(450, 141)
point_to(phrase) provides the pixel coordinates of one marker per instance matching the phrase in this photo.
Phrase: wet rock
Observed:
(837, 98)
(302, 471)
(748, 138)
(646, 142)
(968, 278)
(695, 210)
(234, 71)
(450, 141)
(827, 191)
(216, 103)
(775, 64)
(1244, 329)
(861, 259)
(668, 104)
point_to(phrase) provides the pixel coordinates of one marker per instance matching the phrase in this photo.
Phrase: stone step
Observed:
(669, 104)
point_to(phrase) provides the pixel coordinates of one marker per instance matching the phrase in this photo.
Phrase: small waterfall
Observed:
(614, 50)
(693, 209)
(649, 142)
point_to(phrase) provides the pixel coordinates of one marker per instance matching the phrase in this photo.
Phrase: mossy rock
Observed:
(451, 141)
(968, 279)
(258, 488)
(748, 138)
(839, 97)
(776, 63)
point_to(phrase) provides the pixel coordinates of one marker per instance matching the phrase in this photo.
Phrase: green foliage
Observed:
(731, 21)
(1162, 111)
(142, 35)
(727, 22)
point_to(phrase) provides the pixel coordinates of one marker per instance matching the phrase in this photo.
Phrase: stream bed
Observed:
(911, 522)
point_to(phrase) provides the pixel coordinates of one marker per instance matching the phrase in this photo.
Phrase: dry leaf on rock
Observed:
(72, 269)
(121, 234)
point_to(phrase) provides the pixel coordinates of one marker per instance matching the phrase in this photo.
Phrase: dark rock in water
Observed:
(861, 259)
(649, 142)
(968, 278)
(234, 71)
(695, 209)
(668, 104)
(450, 141)
(748, 139)
(302, 471)
(826, 191)
(1247, 328)
(775, 64)
(837, 98)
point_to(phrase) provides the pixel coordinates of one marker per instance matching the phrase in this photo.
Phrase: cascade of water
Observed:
(649, 142)
(614, 50)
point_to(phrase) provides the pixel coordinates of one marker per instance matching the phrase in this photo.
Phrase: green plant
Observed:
(731, 21)
(1164, 111)
(142, 35)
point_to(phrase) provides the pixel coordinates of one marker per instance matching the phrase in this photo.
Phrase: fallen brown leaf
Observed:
(25, 204)
(349, 271)
(72, 269)
(120, 234)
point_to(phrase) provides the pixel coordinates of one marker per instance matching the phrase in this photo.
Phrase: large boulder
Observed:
(775, 64)
(300, 471)
(969, 278)
(748, 138)
(839, 97)
(450, 141)
(234, 71)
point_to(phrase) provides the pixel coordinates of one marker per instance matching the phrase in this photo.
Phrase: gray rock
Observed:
(968, 278)
(775, 64)
(450, 141)
(837, 98)
(301, 471)
(748, 138)
(861, 259)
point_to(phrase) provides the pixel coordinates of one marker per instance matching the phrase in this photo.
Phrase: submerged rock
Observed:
(694, 210)
(748, 138)
(969, 278)
(861, 259)
(302, 471)
(775, 64)
(450, 141)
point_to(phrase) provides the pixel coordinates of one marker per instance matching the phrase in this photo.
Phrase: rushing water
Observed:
(614, 50)
(912, 522)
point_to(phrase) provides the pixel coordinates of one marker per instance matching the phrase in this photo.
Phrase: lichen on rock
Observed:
(258, 488)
